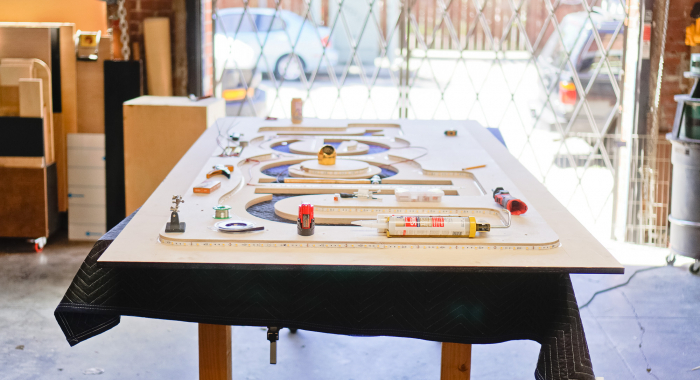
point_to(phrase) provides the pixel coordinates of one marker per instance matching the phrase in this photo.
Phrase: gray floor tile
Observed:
(670, 347)
(607, 361)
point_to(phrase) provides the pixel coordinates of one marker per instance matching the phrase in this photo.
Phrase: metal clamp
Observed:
(366, 194)
(506, 223)
(174, 225)
(273, 335)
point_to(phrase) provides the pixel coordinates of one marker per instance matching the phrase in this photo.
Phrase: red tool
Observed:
(509, 202)
(306, 222)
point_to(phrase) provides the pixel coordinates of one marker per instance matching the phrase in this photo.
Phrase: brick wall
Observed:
(208, 63)
(676, 61)
(139, 10)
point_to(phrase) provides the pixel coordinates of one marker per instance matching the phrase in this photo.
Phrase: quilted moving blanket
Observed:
(445, 306)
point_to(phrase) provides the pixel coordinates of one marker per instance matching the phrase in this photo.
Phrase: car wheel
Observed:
(288, 67)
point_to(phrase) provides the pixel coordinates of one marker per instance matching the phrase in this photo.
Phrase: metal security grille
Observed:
(546, 73)
(649, 191)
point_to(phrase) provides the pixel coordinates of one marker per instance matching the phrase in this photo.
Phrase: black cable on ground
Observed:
(616, 286)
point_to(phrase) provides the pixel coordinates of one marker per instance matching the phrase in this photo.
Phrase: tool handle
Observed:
(224, 170)
(509, 202)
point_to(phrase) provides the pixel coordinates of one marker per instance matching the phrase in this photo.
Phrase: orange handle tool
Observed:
(224, 170)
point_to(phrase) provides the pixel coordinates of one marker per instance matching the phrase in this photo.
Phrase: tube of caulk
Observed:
(425, 226)
(371, 224)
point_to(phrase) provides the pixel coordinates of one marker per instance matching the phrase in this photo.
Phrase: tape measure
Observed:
(237, 226)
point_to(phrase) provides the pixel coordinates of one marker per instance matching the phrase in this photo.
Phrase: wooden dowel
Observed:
(456, 363)
(324, 180)
(215, 352)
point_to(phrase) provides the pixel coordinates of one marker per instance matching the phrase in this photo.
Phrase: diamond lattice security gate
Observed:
(546, 73)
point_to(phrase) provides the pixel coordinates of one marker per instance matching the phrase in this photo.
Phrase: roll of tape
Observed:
(235, 226)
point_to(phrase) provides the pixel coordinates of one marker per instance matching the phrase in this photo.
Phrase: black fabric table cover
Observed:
(459, 307)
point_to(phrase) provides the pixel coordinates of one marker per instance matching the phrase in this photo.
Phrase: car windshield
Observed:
(554, 52)
(230, 23)
(265, 23)
(591, 56)
(262, 23)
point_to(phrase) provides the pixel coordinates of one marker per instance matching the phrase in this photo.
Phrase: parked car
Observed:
(578, 37)
(240, 34)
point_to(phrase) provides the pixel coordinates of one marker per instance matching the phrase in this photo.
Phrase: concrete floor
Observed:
(646, 330)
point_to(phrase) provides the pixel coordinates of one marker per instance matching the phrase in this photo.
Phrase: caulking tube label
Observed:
(428, 225)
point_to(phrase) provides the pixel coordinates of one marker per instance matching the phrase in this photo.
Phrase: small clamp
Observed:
(224, 170)
(273, 335)
(233, 151)
(365, 194)
(174, 225)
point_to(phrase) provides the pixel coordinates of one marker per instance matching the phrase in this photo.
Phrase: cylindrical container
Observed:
(691, 119)
(431, 226)
(327, 155)
(297, 106)
(695, 63)
(685, 202)
(221, 212)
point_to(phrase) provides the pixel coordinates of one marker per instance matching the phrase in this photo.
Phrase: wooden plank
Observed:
(23, 211)
(215, 362)
(41, 71)
(23, 162)
(10, 74)
(86, 15)
(61, 164)
(31, 101)
(456, 363)
(141, 242)
(157, 132)
(156, 32)
(25, 42)
(91, 86)
(9, 100)
(69, 84)
(69, 111)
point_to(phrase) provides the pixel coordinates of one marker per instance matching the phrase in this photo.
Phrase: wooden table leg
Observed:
(215, 352)
(456, 361)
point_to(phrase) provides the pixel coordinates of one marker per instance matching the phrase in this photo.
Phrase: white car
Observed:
(240, 34)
